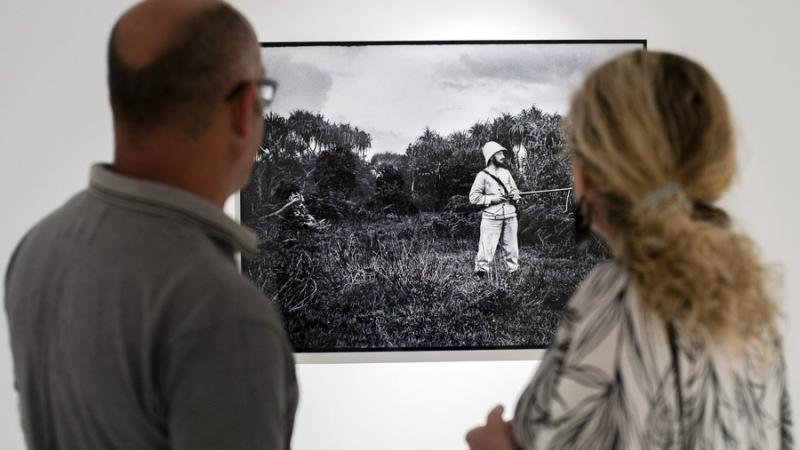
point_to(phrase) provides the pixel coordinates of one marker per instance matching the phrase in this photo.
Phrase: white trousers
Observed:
(491, 232)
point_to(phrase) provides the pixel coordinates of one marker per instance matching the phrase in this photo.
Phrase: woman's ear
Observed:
(580, 179)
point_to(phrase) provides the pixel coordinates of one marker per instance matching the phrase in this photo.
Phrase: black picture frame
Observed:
(248, 217)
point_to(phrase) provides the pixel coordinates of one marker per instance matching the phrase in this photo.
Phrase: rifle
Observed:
(543, 191)
(510, 197)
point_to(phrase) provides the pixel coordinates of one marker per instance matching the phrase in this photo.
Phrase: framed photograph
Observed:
(417, 195)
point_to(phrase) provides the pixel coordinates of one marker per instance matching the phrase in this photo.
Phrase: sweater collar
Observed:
(210, 217)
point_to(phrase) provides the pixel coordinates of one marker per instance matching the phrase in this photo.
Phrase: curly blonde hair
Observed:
(647, 120)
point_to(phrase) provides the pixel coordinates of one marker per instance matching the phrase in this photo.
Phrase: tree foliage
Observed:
(441, 167)
(307, 153)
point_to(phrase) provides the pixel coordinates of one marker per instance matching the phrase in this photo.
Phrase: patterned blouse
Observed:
(608, 382)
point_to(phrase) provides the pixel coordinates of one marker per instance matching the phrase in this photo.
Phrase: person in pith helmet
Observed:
(494, 188)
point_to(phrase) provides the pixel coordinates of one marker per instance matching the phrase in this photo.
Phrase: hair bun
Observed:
(710, 213)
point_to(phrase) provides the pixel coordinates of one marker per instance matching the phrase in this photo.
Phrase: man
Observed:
(131, 327)
(495, 189)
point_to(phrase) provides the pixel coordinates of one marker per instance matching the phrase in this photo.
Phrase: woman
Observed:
(672, 344)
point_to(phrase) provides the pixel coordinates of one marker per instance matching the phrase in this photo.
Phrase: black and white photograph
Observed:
(417, 196)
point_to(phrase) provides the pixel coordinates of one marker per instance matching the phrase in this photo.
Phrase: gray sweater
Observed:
(131, 327)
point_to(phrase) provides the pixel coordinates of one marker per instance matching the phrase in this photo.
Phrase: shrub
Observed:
(332, 206)
(461, 204)
(390, 194)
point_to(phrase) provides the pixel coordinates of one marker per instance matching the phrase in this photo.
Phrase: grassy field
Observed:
(406, 282)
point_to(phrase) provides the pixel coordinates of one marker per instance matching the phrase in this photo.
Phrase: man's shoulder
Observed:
(50, 226)
(171, 265)
(145, 240)
(205, 294)
(54, 219)
(503, 172)
(493, 173)
(480, 179)
(499, 172)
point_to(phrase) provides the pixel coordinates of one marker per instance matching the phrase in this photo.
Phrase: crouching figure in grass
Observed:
(494, 188)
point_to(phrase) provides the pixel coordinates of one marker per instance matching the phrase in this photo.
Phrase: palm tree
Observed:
(459, 141)
(364, 142)
(327, 135)
(317, 129)
(501, 129)
(302, 124)
(480, 133)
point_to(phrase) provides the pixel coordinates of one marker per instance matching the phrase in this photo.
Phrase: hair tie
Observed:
(664, 192)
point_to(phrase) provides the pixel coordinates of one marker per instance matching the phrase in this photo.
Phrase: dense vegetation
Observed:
(379, 253)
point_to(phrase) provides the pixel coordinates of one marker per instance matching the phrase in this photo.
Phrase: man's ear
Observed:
(241, 108)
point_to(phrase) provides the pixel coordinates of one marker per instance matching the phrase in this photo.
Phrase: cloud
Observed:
(301, 85)
(457, 85)
(522, 68)
(546, 64)
(389, 141)
(394, 91)
(385, 134)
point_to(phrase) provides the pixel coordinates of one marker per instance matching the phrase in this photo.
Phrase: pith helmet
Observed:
(489, 150)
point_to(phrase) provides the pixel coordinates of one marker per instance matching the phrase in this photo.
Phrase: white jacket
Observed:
(485, 188)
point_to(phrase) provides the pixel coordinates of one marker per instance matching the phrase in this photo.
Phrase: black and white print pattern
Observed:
(608, 382)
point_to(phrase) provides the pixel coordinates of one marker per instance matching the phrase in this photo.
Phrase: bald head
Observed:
(170, 63)
(147, 30)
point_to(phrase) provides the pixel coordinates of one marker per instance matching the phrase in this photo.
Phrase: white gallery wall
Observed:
(54, 122)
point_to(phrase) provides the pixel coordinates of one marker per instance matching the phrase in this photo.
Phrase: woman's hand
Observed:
(495, 435)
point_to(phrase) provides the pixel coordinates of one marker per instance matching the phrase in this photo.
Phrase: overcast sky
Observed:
(394, 92)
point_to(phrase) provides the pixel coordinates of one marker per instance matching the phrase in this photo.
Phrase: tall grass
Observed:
(407, 282)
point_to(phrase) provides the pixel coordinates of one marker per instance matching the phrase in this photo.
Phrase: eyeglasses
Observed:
(266, 88)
